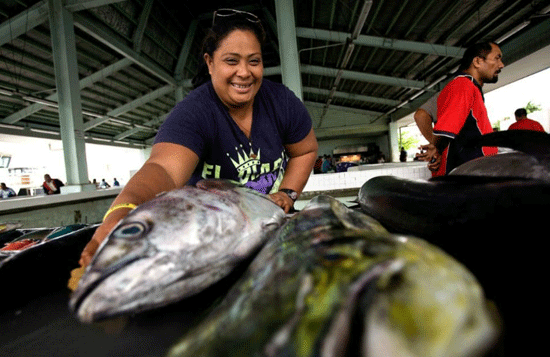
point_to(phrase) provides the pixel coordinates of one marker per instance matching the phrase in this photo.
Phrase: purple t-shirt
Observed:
(201, 122)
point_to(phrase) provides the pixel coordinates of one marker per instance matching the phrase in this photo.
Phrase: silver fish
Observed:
(174, 246)
(333, 282)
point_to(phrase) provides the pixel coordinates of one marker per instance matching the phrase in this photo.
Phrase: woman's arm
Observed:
(170, 166)
(302, 158)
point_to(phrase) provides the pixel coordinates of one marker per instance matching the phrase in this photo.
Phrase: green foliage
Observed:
(532, 107)
(407, 141)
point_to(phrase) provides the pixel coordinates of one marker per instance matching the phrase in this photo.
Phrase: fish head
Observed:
(116, 268)
(172, 247)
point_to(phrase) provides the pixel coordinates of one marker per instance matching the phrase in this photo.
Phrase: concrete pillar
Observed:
(394, 141)
(288, 47)
(68, 89)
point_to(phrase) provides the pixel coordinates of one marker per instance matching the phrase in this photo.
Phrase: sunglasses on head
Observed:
(223, 13)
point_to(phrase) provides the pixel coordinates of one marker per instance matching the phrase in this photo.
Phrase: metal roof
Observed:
(362, 63)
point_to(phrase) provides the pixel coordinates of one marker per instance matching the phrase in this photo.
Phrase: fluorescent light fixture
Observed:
(9, 126)
(513, 31)
(44, 131)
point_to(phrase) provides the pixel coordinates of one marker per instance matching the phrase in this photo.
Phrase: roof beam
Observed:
(350, 130)
(83, 83)
(363, 77)
(185, 50)
(370, 113)
(352, 96)
(24, 22)
(136, 129)
(77, 5)
(38, 14)
(382, 42)
(129, 106)
(104, 35)
(142, 24)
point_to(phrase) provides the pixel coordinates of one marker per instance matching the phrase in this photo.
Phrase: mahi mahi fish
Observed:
(174, 246)
(333, 282)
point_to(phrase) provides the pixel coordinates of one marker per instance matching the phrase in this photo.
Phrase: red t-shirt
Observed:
(462, 116)
(526, 124)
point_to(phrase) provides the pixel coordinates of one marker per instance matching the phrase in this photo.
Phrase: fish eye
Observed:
(130, 230)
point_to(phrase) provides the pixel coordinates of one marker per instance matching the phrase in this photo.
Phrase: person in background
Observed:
(52, 186)
(403, 155)
(104, 184)
(95, 183)
(318, 165)
(326, 165)
(524, 123)
(115, 182)
(233, 115)
(6, 192)
(461, 112)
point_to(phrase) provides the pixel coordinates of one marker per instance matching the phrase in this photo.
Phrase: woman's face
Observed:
(236, 68)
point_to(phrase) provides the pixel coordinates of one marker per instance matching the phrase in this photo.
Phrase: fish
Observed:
(35, 236)
(484, 214)
(25, 240)
(172, 247)
(9, 231)
(334, 282)
(529, 157)
(454, 206)
(44, 267)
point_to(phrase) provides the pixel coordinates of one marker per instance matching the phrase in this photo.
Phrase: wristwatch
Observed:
(291, 193)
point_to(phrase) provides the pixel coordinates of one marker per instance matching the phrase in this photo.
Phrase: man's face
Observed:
(491, 65)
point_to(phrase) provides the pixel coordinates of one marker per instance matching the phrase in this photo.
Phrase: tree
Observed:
(532, 107)
(407, 141)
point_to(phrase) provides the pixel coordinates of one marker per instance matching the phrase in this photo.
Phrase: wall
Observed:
(326, 147)
(355, 177)
(57, 210)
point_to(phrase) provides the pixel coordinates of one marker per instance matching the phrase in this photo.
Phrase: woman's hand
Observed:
(282, 200)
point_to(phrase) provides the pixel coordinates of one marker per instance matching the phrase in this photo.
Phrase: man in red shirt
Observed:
(524, 123)
(461, 112)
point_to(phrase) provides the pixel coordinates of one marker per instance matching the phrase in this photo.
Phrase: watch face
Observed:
(291, 193)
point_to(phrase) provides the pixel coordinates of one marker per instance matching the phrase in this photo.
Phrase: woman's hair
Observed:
(221, 28)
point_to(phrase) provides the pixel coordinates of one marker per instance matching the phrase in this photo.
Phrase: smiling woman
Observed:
(234, 125)
(237, 71)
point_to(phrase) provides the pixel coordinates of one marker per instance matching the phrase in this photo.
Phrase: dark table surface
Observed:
(44, 326)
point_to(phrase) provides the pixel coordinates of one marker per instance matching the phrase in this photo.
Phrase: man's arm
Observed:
(424, 122)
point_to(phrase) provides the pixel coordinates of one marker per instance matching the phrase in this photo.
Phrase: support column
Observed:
(288, 47)
(70, 107)
(394, 141)
(179, 94)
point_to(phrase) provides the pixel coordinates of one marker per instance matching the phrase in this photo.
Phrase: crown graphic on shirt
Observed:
(246, 161)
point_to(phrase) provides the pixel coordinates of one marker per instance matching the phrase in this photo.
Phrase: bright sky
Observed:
(502, 102)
